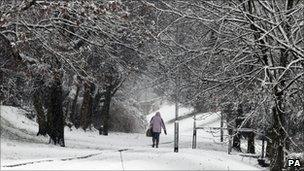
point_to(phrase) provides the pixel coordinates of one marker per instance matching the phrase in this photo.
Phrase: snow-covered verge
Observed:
(22, 149)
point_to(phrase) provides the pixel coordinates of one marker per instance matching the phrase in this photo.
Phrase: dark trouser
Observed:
(155, 138)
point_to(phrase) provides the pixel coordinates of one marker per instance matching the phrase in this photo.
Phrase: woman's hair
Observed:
(157, 114)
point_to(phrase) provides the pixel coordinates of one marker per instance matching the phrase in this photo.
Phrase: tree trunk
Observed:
(96, 110)
(227, 109)
(278, 136)
(55, 112)
(250, 144)
(105, 112)
(41, 120)
(86, 108)
(236, 143)
(269, 145)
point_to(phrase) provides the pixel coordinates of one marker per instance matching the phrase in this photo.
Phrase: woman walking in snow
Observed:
(156, 123)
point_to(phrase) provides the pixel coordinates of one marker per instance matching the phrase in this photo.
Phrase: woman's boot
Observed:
(153, 141)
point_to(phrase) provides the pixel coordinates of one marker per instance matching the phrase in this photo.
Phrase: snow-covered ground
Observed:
(22, 149)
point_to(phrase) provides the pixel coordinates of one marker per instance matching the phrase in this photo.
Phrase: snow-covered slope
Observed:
(15, 126)
(167, 111)
(186, 125)
(22, 149)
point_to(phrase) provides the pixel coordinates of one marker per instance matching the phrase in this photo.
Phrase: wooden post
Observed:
(176, 128)
(194, 133)
(222, 124)
(176, 125)
(230, 132)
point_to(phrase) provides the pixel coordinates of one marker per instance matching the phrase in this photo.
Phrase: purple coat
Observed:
(157, 123)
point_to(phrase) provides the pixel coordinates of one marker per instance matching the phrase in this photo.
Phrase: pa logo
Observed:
(294, 163)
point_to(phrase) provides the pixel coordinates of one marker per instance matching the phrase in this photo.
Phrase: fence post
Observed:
(176, 136)
(222, 124)
(176, 128)
(194, 133)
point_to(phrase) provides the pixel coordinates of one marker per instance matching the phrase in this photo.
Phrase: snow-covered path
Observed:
(88, 150)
